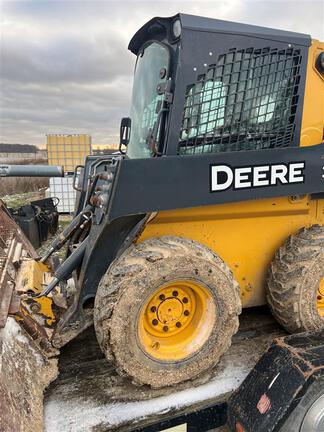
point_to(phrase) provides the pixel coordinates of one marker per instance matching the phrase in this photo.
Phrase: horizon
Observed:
(66, 67)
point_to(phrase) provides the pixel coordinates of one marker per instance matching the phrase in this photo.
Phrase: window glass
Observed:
(152, 64)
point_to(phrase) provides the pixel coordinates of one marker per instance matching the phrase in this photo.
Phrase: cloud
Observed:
(65, 67)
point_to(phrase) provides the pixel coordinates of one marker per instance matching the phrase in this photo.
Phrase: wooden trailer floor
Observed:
(88, 395)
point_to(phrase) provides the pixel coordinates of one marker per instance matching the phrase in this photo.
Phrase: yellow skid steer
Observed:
(216, 204)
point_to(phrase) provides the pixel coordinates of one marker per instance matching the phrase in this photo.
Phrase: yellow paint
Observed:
(248, 234)
(32, 278)
(180, 428)
(177, 320)
(31, 275)
(68, 150)
(313, 112)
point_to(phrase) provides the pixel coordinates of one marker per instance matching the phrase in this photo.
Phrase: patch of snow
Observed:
(12, 333)
(80, 415)
(11, 329)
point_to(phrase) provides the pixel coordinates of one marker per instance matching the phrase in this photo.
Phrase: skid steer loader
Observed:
(216, 204)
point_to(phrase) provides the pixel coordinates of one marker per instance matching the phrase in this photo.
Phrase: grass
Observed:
(20, 199)
(22, 185)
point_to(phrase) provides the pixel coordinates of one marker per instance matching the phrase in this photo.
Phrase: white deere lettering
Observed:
(260, 175)
(242, 177)
(296, 173)
(278, 174)
(221, 177)
(224, 177)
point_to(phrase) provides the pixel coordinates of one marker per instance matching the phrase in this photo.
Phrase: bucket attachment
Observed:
(27, 359)
(14, 247)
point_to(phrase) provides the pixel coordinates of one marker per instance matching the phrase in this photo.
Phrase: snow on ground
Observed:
(81, 415)
(90, 396)
(24, 373)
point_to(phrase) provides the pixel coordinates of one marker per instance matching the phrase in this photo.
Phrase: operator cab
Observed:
(206, 86)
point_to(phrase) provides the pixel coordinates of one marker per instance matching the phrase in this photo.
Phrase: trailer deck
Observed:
(89, 395)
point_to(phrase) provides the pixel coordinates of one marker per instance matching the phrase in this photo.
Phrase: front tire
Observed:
(166, 311)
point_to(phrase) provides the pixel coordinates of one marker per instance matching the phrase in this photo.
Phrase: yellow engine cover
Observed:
(246, 235)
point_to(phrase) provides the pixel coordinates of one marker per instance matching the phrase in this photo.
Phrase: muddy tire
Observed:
(296, 279)
(134, 278)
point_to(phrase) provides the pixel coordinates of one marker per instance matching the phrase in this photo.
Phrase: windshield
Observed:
(151, 70)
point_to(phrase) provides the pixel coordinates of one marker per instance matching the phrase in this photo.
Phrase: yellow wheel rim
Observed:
(320, 298)
(176, 320)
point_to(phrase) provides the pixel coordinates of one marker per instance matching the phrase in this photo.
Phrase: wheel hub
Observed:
(169, 311)
(176, 320)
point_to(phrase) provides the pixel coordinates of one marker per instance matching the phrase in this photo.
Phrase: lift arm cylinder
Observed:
(31, 171)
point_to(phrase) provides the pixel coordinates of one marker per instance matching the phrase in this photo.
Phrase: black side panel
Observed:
(211, 25)
(205, 24)
(106, 239)
(179, 182)
(273, 388)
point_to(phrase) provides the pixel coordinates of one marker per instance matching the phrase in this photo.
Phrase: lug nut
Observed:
(35, 307)
(165, 328)
(186, 313)
(155, 322)
(178, 324)
(153, 309)
(162, 297)
(185, 300)
(175, 293)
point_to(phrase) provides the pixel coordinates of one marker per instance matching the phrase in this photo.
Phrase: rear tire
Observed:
(148, 284)
(296, 282)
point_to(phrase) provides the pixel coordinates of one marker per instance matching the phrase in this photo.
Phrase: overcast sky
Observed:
(65, 67)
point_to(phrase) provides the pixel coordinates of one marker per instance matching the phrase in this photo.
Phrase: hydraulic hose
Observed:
(82, 218)
(65, 269)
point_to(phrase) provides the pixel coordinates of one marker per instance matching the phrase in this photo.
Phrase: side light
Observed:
(176, 29)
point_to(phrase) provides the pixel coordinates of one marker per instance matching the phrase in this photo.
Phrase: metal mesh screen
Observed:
(246, 101)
